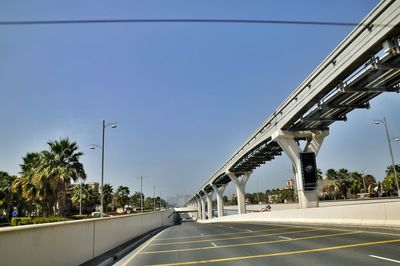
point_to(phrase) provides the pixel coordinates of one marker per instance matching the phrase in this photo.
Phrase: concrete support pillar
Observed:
(193, 206)
(203, 208)
(240, 190)
(209, 203)
(220, 198)
(286, 140)
(198, 203)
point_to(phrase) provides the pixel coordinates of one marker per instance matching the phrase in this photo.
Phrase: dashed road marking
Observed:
(252, 244)
(383, 258)
(212, 243)
(248, 230)
(236, 237)
(235, 233)
(202, 235)
(301, 251)
(284, 237)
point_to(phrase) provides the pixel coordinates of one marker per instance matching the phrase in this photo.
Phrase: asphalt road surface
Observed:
(267, 244)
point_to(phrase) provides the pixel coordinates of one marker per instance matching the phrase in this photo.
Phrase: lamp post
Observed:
(389, 140)
(160, 200)
(154, 197)
(141, 192)
(93, 146)
(80, 199)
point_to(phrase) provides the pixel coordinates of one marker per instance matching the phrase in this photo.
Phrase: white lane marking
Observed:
(212, 243)
(382, 258)
(284, 237)
(231, 227)
(201, 234)
(248, 230)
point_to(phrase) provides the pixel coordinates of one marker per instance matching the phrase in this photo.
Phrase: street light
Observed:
(80, 199)
(141, 192)
(389, 140)
(93, 146)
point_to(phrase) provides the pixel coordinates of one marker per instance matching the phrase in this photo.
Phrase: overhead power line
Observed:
(235, 21)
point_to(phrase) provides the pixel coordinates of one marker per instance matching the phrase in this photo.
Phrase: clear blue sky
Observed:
(186, 96)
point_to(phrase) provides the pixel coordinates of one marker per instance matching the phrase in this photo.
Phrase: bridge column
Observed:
(193, 205)
(240, 189)
(198, 203)
(203, 208)
(287, 140)
(209, 203)
(220, 195)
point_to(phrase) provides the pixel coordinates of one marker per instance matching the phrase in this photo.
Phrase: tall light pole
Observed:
(363, 171)
(80, 199)
(154, 197)
(141, 192)
(93, 146)
(160, 200)
(389, 140)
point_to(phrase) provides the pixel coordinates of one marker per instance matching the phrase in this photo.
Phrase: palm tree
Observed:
(28, 186)
(60, 165)
(7, 195)
(107, 195)
(389, 182)
(123, 196)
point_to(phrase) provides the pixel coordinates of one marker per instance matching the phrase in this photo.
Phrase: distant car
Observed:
(98, 214)
(267, 208)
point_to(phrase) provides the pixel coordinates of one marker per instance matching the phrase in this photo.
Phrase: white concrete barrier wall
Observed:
(73, 242)
(381, 214)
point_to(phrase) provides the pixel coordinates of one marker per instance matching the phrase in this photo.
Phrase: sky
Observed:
(185, 96)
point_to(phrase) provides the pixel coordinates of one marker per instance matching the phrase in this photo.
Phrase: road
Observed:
(267, 244)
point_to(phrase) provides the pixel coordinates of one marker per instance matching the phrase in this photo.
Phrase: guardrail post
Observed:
(288, 141)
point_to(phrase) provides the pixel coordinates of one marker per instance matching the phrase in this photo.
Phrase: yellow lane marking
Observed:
(231, 238)
(227, 234)
(283, 253)
(250, 244)
(381, 233)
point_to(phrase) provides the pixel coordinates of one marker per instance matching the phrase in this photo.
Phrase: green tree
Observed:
(108, 195)
(122, 195)
(356, 183)
(225, 199)
(389, 182)
(135, 199)
(90, 197)
(28, 185)
(370, 183)
(7, 195)
(59, 166)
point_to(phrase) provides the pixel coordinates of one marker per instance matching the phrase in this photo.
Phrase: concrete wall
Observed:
(324, 203)
(73, 242)
(382, 214)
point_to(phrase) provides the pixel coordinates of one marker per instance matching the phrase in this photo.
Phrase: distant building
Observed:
(289, 184)
(95, 186)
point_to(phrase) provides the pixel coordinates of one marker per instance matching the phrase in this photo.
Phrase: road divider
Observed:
(74, 242)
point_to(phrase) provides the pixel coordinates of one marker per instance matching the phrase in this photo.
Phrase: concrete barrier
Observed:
(73, 242)
(374, 214)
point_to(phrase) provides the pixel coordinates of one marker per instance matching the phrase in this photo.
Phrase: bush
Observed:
(80, 216)
(36, 220)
